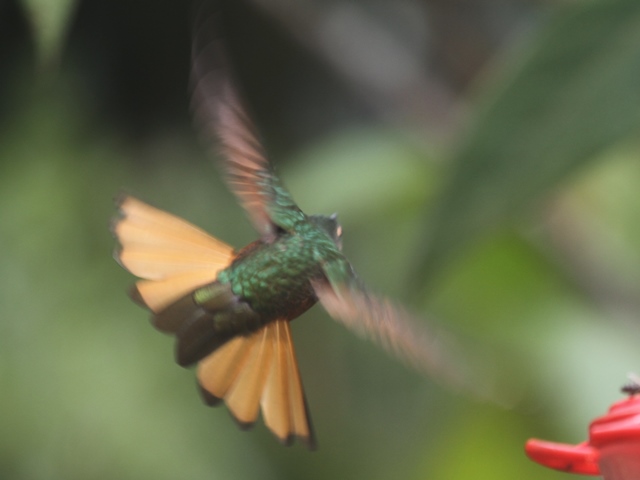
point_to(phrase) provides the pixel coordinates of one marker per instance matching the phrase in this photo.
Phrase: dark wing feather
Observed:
(204, 320)
(219, 114)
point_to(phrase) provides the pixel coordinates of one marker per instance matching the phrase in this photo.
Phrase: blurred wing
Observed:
(219, 113)
(400, 333)
(260, 371)
(171, 255)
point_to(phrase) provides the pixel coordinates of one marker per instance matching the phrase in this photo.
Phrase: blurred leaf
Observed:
(322, 177)
(573, 94)
(483, 443)
(49, 20)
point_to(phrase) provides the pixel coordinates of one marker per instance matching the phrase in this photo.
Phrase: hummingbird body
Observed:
(230, 311)
(275, 278)
(265, 282)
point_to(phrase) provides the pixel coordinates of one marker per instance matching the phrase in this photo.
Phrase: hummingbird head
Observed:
(329, 224)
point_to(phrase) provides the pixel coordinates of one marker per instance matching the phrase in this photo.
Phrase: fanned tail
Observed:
(173, 256)
(260, 371)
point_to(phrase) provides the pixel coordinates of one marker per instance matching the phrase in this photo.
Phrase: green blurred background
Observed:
(482, 154)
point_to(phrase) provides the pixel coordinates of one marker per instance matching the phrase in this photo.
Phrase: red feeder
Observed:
(613, 449)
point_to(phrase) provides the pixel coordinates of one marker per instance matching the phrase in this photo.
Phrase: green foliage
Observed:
(49, 21)
(563, 98)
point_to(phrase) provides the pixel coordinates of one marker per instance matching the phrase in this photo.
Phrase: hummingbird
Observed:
(231, 310)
